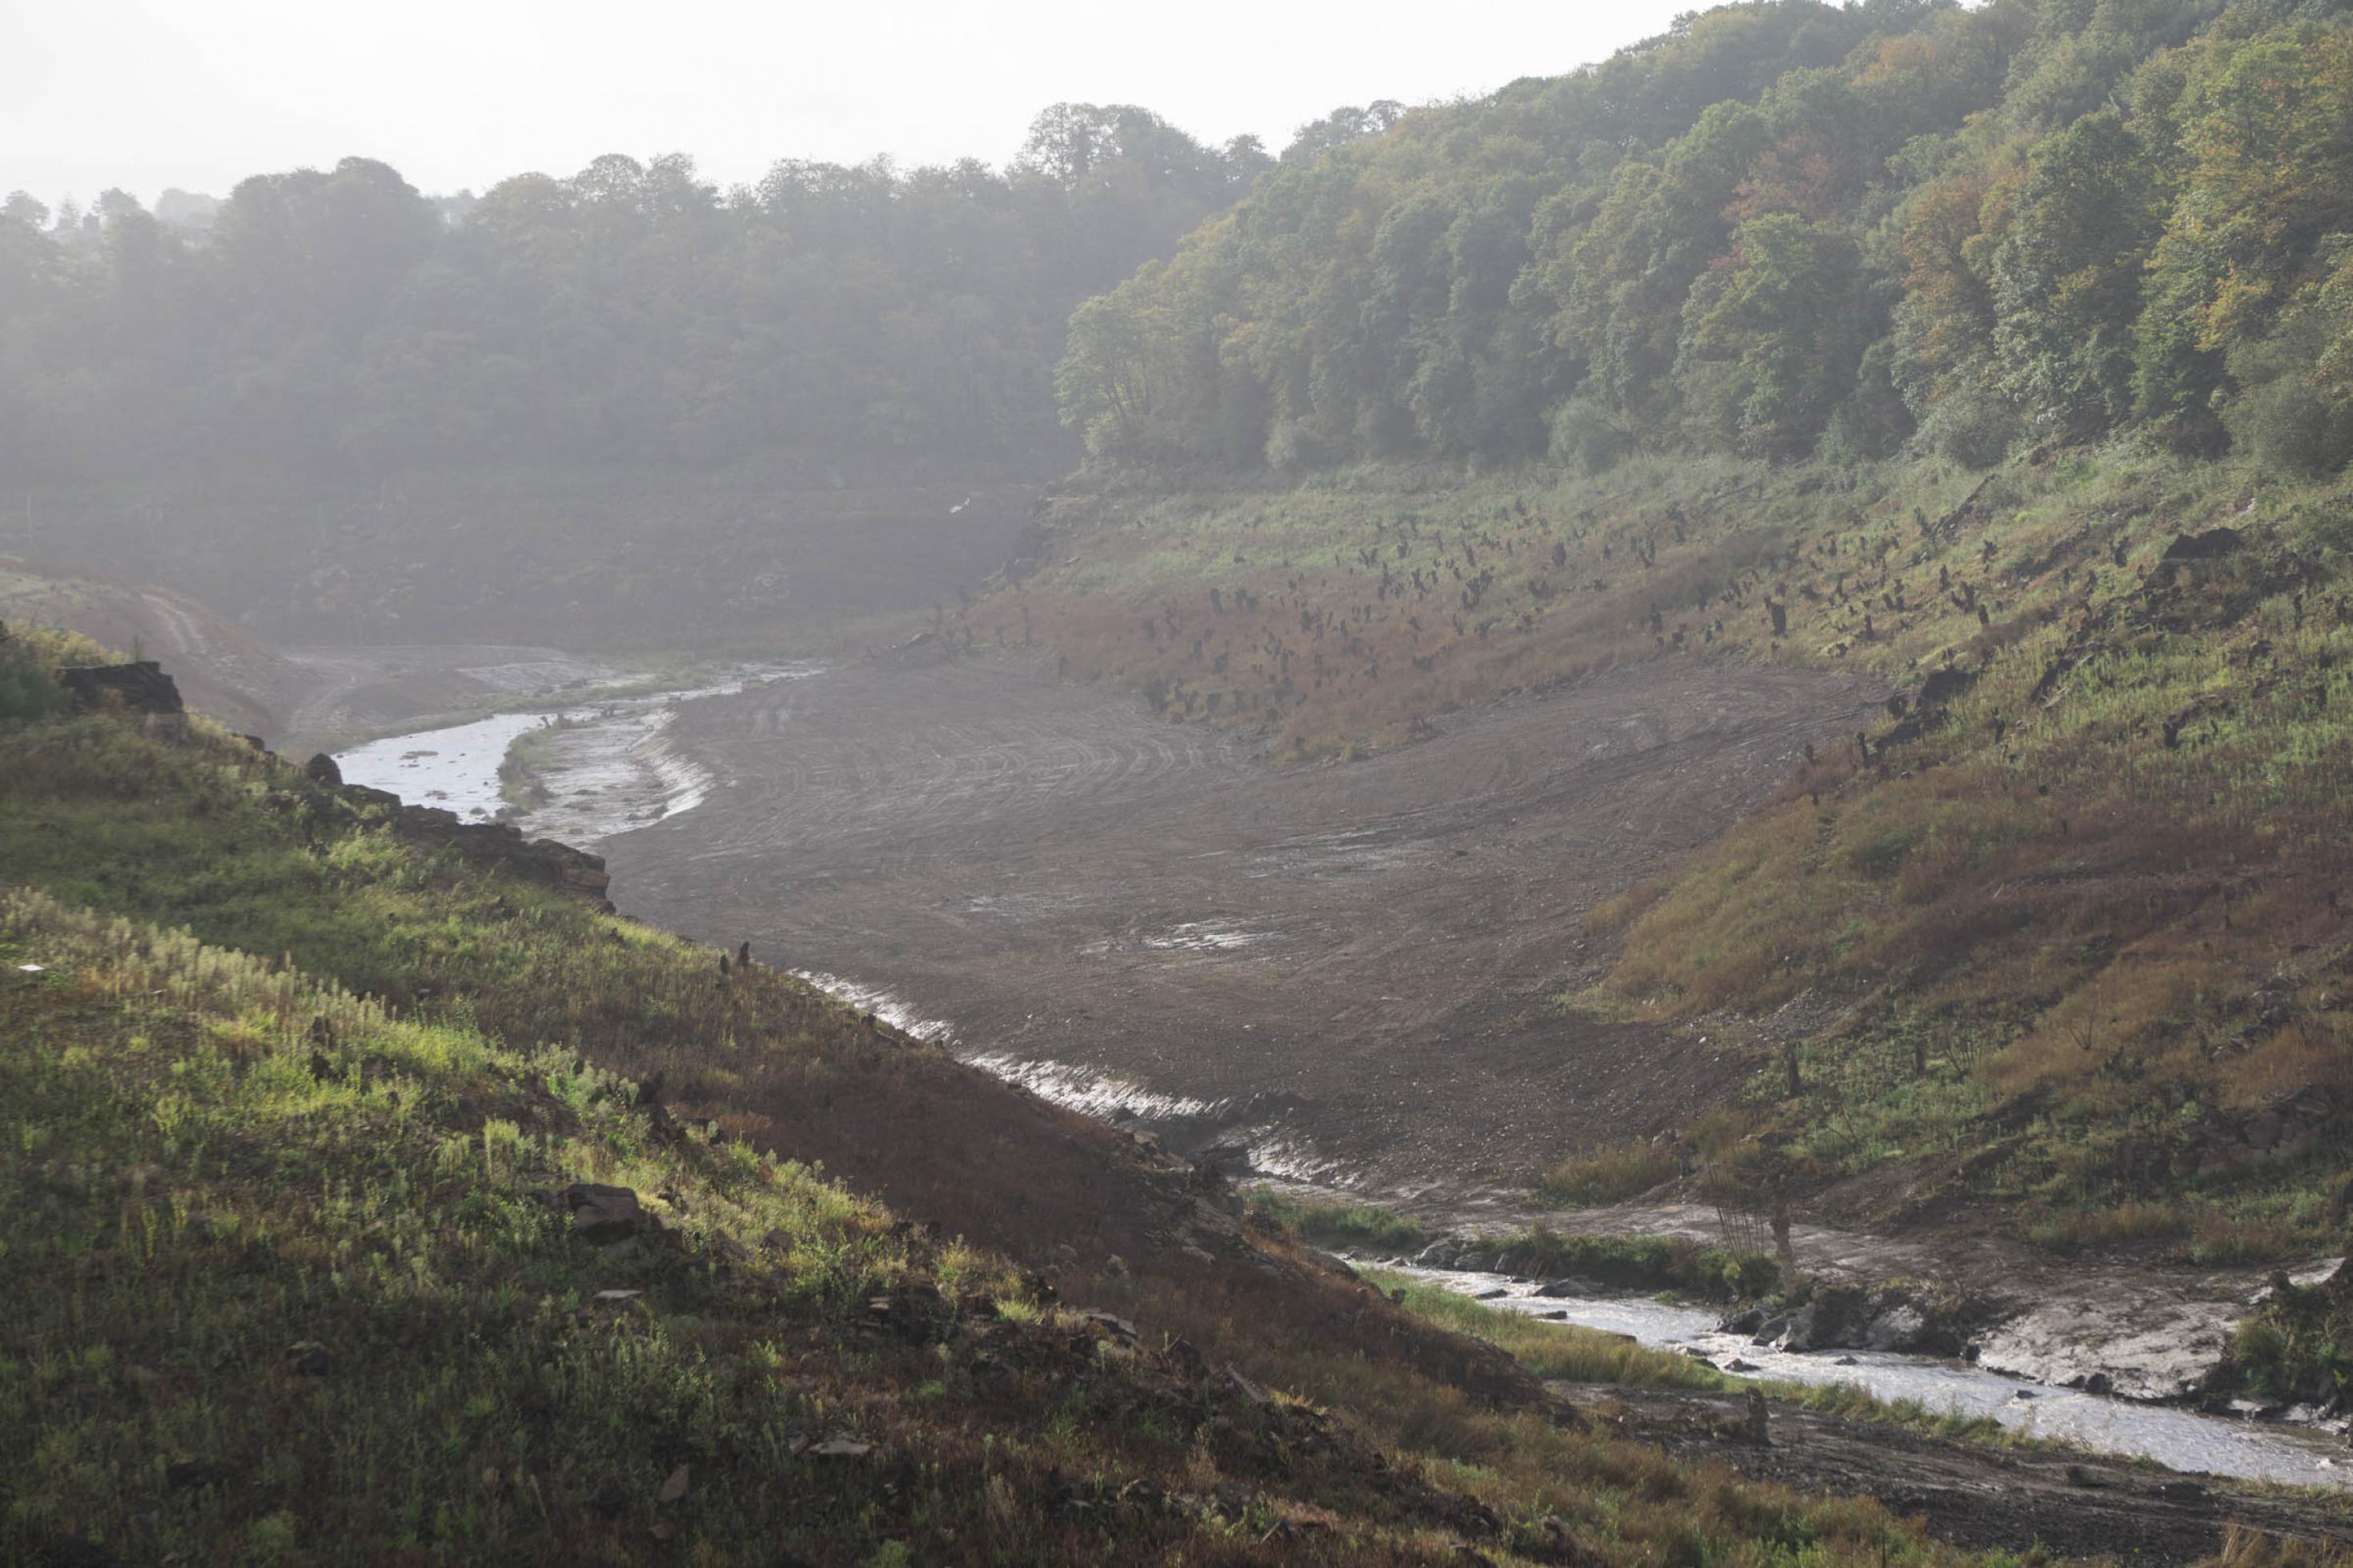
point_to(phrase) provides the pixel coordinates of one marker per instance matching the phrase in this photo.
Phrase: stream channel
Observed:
(609, 765)
(611, 769)
(2181, 1440)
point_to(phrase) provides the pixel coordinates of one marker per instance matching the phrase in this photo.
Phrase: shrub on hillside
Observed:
(1584, 435)
(1610, 1175)
(29, 656)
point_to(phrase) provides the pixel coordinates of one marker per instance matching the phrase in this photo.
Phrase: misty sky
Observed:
(146, 94)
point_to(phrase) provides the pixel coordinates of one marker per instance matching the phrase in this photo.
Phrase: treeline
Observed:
(1786, 229)
(850, 321)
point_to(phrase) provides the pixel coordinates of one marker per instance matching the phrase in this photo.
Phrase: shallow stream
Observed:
(2182, 1439)
(610, 766)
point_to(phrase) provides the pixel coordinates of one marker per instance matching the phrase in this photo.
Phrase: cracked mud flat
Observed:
(1343, 969)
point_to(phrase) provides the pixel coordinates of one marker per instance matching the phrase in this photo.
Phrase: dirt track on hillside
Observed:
(1339, 964)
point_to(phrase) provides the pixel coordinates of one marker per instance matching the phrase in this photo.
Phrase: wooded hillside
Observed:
(1786, 229)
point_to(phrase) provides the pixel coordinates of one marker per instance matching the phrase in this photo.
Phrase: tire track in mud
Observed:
(1366, 947)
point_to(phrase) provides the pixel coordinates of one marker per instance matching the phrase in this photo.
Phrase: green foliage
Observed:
(2297, 1345)
(1329, 1222)
(1608, 1176)
(29, 657)
(2264, 172)
(2294, 407)
(2067, 276)
(1646, 1263)
(1783, 231)
(833, 322)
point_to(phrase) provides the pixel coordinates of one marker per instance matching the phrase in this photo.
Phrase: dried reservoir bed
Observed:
(1342, 968)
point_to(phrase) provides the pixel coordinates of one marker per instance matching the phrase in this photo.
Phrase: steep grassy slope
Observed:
(2066, 926)
(289, 1091)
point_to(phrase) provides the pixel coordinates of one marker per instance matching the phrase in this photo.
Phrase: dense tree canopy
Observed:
(853, 321)
(1784, 229)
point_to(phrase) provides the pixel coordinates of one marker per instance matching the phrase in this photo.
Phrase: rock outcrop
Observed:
(497, 846)
(1852, 1317)
(137, 687)
(2211, 545)
(2282, 1135)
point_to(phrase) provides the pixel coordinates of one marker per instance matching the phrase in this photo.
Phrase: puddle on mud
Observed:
(610, 767)
(2182, 1439)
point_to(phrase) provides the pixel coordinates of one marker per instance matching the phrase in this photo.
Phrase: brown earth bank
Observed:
(1346, 967)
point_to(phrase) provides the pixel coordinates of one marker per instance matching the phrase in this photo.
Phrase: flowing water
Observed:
(609, 765)
(2182, 1439)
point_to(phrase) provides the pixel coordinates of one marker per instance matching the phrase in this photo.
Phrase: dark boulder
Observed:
(501, 847)
(600, 1213)
(141, 688)
(1942, 686)
(2211, 545)
(322, 769)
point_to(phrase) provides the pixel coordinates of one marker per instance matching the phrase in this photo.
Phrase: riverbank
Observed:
(2181, 1440)
(1969, 1477)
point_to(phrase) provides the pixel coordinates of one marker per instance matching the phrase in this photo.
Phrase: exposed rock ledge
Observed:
(498, 845)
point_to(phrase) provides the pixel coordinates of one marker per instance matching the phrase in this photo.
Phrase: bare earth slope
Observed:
(1340, 963)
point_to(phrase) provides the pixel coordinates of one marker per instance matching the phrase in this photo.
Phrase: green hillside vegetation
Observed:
(342, 408)
(30, 655)
(865, 321)
(1785, 230)
(297, 1099)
